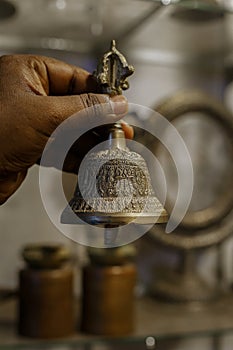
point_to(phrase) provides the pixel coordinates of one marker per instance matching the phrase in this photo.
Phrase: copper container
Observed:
(108, 298)
(46, 296)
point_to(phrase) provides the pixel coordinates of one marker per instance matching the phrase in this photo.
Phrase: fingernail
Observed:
(129, 131)
(124, 122)
(119, 104)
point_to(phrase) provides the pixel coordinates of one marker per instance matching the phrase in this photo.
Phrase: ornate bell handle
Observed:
(112, 72)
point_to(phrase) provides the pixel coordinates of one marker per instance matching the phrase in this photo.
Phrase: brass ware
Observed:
(212, 224)
(108, 293)
(46, 256)
(45, 294)
(200, 228)
(116, 185)
(114, 256)
(121, 174)
(112, 72)
(182, 283)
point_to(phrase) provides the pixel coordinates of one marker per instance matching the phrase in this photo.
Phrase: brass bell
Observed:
(114, 187)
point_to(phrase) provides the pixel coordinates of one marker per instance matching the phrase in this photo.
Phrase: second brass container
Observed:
(108, 299)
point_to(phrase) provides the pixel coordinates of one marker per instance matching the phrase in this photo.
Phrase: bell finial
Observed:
(112, 72)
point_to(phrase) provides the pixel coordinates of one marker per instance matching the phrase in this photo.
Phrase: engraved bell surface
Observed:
(114, 188)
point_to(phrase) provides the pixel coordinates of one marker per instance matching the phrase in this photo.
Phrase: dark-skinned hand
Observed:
(37, 94)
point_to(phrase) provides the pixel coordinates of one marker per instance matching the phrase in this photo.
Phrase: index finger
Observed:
(66, 79)
(45, 75)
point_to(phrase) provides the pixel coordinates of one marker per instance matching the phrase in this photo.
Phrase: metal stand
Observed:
(183, 284)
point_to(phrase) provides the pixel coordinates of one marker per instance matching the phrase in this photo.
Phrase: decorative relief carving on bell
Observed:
(114, 185)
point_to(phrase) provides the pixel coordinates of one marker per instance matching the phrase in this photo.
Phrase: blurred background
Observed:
(176, 47)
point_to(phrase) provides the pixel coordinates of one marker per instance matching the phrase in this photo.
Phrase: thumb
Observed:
(96, 109)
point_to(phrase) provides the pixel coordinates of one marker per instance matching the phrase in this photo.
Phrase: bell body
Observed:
(114, 188)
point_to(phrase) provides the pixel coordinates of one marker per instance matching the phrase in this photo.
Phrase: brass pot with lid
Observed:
(46, 292)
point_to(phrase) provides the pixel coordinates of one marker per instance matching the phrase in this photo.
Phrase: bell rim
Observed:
(113, 219)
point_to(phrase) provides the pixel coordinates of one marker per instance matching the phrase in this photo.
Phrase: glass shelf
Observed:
(205, 5)
(163, 322)
(86, 26)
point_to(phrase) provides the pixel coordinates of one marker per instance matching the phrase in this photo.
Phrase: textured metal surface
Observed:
(113, 71)
(114, 186)
(121, 191)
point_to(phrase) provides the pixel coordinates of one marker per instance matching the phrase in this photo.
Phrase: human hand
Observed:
(36, 95)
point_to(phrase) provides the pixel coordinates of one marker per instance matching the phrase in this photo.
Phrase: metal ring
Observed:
(213, 224)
